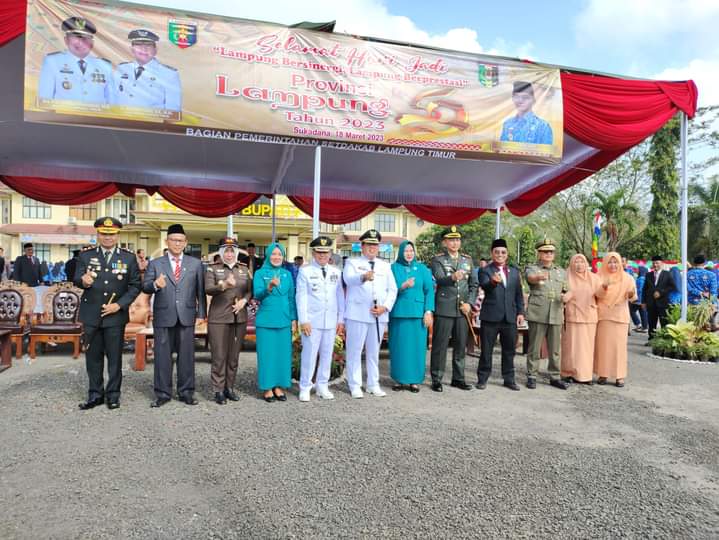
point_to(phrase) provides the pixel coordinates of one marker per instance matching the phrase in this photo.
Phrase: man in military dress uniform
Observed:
(548, 291)
(455, 295)
(320, 311)
(371, 292)
(229, 284)
(145, 82)
(75, 74)
(111, 280)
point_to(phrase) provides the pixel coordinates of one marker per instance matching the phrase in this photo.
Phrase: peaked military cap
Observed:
(175, 229)
(451, 232)
(371, 236)
(79, 26)
(107, 225)
(143, 36)
(228, 241)
(321, 244)
(545, 245)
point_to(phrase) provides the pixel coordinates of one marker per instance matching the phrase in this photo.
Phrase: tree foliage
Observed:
(477, 238)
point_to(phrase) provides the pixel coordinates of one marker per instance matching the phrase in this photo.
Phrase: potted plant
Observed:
(337, 367)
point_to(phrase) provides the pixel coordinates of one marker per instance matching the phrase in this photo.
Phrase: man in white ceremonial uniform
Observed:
(320, 310)
(371, 292)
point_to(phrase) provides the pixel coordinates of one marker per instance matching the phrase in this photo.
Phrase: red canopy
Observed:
(603, 118)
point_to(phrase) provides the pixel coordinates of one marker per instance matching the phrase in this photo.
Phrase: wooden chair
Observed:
(139, 313)
(12, 317)
(63, 326)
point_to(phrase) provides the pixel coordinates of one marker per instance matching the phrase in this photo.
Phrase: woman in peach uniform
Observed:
(580, 320)
(610, 349)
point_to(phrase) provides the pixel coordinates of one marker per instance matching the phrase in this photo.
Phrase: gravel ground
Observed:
(592, 462)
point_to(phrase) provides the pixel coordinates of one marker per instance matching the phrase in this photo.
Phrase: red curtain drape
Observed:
(52, 191)
(444, 215)
(12, 19)
(335, 211)
(207, 202)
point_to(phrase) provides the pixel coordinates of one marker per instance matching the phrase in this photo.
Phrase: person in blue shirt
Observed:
(525, 126)
(675, 296)
(701, 283)
(275, 322)
(409, 319)
(75, 74)
(145, 82)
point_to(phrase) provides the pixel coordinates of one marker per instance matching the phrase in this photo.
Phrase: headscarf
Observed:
(582, 306)
(619, 283)
(574, 276)
(400, 254)
(268, 252)
(222, 255)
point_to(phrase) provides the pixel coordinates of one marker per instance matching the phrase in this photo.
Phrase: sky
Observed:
(654, 39)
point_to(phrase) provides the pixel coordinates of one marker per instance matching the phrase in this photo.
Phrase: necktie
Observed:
(371, 265)
(177, 268)
(138, 72)
(108, 256)
(324, 272)
(83, 64)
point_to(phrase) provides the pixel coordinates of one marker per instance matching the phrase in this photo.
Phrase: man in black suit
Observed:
(111, 282)
(657, 286)
(502, 311)
(27, 268)
(71, 265)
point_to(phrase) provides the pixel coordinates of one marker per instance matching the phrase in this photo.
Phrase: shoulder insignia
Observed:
(123, 63)
(168, 67)
(88, 248)
(104, 60)
(126, 250)
(54, 53)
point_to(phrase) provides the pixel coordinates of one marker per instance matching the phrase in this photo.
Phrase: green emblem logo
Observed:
(182, 33)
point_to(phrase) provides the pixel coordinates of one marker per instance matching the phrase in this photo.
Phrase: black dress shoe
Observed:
(437, 387)
(414, 388)
(269, 399)
(558, 384)
(619, 384)
(531, 383)
(281, 397)
(398, 387)
(159, 402)
(189, 400)
(230, 394)
(511, 385)
(481, 386)
(91, 404)
(220, 398)
(602, 381)
(461, 385)
(114, 404)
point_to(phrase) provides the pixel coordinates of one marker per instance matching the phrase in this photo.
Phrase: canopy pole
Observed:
(498, 225)
(274, 223)
(316, 196)
(230, 226)
(685, 213)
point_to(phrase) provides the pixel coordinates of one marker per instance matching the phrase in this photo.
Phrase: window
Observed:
(384, 222)
(84, 212)
(355, 226)
(35, 210)
(6, 208)
(194, 250)
(41, 251)
(129, 246)
(121, 208)
(387, 255)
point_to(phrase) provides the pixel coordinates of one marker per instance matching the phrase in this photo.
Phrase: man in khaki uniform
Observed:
(549, 290)
(229, 284)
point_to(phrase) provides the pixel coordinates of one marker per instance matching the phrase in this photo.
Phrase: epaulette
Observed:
(88, 248)
(54, 53)
(104, 60)
(126, 250)
(168, 67)
(123, 63)
(465, 255)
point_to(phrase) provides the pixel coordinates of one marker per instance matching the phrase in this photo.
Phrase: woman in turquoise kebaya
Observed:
(276, 319)
(409, 319)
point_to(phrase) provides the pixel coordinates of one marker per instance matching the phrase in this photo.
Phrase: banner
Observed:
(134, 67)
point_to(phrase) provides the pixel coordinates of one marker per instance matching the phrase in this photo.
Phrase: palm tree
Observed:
(620, 216)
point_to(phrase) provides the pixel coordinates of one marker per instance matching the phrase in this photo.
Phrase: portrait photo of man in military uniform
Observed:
(145, 82)
(548, 292)
(75, 74)
(111, 281)
(456, 293)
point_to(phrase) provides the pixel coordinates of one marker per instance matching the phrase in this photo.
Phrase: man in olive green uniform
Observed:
(229, 284)
(455, 295)
(548, 286)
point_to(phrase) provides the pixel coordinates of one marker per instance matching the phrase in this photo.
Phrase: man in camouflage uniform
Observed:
(545, 313)
(455, 295)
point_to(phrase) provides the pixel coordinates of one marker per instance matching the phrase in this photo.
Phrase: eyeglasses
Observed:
(177, 240)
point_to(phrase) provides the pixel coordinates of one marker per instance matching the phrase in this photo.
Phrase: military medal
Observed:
(119, 276)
